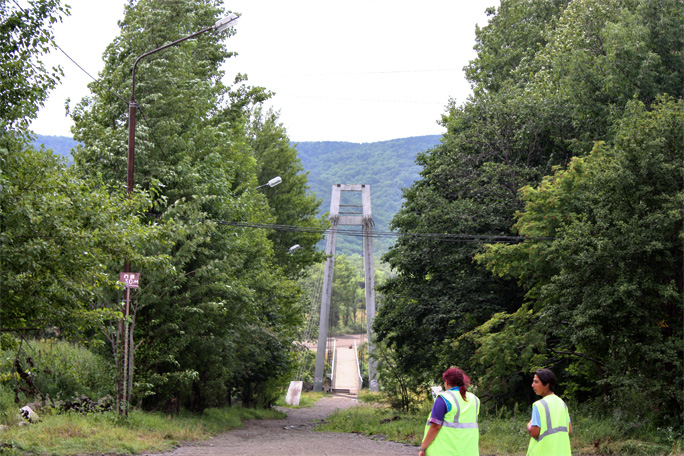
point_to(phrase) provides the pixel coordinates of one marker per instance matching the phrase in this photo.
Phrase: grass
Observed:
(504, 434)
(382, 423)
(106, 433)
(501, 434)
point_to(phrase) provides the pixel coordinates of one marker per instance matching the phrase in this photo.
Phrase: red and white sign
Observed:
(131, 279)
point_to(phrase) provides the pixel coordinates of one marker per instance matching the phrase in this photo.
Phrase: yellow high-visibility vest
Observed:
(459, 434)
(554, 436)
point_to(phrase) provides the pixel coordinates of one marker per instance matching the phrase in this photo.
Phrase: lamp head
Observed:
(275, 181)
(225, 23)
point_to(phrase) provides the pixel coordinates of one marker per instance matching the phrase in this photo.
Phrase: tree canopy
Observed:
(569, 135)
(218, 305)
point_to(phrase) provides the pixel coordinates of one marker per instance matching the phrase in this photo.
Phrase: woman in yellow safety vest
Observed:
(550, 426)
(451, 428)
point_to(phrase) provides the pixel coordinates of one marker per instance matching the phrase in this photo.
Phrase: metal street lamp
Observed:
(124, 393)
(220, 25)
(272, 183)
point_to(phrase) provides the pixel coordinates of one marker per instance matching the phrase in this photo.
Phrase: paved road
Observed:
(295, 436)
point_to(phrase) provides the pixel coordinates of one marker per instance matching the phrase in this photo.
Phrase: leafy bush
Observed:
(56, 369)
(8, 409)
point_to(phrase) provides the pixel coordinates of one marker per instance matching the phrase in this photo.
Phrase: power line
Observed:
(361, 73)
(76, 63)
(444, 237)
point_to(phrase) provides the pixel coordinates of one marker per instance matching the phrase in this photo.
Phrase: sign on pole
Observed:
(130, 279)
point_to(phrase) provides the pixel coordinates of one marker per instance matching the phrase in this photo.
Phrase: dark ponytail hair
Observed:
(456, 377)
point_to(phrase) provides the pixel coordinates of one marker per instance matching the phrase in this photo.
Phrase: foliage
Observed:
(401, 390)
(348, 302)
(25, 35)
(59, 370)
(603, 306)
(502, 431)
(374, 421)
(218, 326)
(61, 238)
(553, 80)
(8, 408)
(290, 202)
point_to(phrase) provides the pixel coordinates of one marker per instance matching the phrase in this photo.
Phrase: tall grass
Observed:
(59, 369)
(106, 433)
(503, 433)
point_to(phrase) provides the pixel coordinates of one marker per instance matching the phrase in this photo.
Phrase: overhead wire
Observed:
(76, 63)
(448, 237)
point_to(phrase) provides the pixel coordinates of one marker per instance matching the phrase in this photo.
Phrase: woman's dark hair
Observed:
(456, 377)
(546, 377)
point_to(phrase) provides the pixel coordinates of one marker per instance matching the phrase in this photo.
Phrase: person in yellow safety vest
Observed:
(550, 426)
(451, 428)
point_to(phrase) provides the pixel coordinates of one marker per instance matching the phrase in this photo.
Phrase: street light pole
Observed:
(123, 395)
(220, 25)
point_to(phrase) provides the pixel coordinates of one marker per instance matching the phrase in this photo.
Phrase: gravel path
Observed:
(294, 436)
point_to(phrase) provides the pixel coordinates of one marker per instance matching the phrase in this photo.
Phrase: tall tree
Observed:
(563, 82)
(290, 202)
(469, 185)
(60, 238)
(606, 295)
(225, 318)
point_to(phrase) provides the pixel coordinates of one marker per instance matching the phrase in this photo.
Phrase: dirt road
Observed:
(295, 436)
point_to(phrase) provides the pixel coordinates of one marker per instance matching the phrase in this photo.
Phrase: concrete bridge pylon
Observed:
(365, 220)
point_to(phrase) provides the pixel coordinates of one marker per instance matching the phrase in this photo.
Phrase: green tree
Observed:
(25, 35)
(215, 327)
(607, 293)
(291, 202)
(550, 79)
(60, 240)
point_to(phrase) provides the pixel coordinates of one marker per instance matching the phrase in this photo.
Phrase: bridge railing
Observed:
(332, 365)
(358, 366)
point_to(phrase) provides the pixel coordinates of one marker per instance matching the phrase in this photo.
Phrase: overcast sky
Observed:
(353, 70)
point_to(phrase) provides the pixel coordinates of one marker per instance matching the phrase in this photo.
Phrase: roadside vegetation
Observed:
(502, 431)
(545, 230)
(106, 433)
(70, 388)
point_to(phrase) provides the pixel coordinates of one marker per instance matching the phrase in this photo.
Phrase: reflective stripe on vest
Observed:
(549, 429)
(456, 424)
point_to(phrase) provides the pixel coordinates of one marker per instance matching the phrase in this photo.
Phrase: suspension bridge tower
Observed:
(365, 220)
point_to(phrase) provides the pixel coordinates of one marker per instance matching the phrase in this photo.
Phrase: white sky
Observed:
(353, 70)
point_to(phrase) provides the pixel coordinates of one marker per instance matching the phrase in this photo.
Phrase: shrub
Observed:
(56, 369)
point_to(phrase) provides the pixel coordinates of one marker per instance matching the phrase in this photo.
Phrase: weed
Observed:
(72, 433)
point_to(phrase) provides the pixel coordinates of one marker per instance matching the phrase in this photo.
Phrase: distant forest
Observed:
(60, 145)
(387, 166)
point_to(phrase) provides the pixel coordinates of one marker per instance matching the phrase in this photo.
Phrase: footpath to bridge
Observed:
(295, 436)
